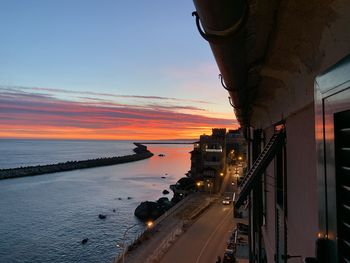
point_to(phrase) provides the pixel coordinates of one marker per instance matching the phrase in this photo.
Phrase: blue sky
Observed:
(145, 48)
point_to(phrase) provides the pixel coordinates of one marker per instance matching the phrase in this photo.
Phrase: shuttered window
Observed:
(342, 157)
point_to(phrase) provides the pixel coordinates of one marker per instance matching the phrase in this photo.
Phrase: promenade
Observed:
(168, 228)
(196, 231)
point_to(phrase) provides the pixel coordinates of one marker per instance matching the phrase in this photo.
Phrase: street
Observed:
(205, 239)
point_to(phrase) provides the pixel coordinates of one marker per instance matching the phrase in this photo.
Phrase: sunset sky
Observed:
(107, 70)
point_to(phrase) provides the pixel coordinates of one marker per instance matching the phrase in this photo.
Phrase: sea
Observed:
(44, 218)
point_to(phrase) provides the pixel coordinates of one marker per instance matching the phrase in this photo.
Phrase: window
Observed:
(342, 157)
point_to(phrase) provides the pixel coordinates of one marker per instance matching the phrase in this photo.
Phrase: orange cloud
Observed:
(30, 115)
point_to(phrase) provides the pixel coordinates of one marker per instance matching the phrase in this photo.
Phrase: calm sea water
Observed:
(44, 218)
(16, 153)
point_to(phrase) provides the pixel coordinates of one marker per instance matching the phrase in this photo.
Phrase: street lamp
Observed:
(149, 224)
(209, 185)
(124, 236)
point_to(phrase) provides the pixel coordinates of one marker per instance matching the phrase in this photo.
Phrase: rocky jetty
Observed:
(141, 152)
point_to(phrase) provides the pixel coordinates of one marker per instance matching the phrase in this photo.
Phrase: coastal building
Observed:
(211, 155)
(208, 160)
(235, 147)
(286, 67)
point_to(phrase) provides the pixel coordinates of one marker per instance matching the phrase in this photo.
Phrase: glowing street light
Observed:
(221, 174)
(210, 186)
(149, 224)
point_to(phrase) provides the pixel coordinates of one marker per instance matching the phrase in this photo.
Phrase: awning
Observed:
(276, 142)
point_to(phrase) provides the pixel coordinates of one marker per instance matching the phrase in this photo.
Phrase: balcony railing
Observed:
(213, 150)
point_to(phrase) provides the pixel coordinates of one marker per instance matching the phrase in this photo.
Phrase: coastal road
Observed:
(205, 239)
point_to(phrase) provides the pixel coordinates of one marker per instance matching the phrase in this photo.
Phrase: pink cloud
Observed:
(27, 113)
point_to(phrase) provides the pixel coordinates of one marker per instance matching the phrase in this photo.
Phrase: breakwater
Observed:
(141, 152)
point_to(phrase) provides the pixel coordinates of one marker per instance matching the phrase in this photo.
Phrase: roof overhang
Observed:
(238, 46)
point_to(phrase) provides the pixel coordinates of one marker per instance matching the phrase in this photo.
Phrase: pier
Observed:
(141, 153)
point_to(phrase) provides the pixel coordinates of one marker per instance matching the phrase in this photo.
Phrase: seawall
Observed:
(141, 152)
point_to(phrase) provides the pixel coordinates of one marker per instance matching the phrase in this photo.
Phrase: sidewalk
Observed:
(168, 228)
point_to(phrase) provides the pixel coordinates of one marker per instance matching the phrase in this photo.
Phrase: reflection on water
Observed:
(44, 218)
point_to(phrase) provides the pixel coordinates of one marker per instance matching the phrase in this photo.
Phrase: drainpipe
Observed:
(222, 24)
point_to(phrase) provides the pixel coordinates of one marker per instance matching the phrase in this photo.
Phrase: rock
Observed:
(101, 216)
(176, 198)
(162, 200)
(84, 241)
(164, 203)
(182, 188)
(165, 192)
(186, 183)
(148, 211)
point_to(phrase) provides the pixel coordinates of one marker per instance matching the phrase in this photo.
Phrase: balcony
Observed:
(210, 150)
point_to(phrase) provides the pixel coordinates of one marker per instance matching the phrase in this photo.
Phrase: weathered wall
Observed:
(302, 207)
(302, 200)
(307, 38)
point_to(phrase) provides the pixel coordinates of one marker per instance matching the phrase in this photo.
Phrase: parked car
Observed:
(229, 256)
(241, 244)
(242, 228)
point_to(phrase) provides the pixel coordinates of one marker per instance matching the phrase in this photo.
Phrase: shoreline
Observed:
(141, 153)
(153, 243)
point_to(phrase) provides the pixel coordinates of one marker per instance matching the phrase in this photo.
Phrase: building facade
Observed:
(208, 160)
(235, 147)
(286, 67)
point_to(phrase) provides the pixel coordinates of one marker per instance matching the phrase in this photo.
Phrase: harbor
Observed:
(42, 213)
